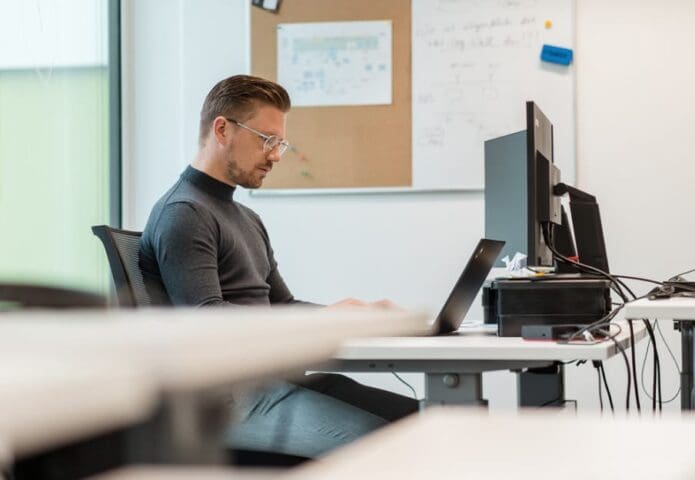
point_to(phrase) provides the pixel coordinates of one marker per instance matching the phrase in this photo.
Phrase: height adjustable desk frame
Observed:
(453, 365)
(460, 382)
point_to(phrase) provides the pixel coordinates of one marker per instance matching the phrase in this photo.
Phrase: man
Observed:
(207, 249)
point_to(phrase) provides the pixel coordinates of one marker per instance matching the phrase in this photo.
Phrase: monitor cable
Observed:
(621, 349)
(634, 365)
(547, 230)
(598, 365)
(406, 384)
(619, 285)
(644, 363)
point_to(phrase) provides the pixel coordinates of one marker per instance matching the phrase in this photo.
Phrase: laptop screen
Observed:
(467, 286)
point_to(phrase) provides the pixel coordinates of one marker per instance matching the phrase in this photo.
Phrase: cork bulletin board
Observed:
(342, 147)
(461, 73)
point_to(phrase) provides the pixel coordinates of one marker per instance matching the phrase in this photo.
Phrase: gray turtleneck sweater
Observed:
(208, 249)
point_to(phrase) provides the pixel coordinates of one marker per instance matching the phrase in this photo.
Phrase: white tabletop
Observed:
(68, 375)
(5, 456)
(45, 402)
(187, 349)
(480, 347)
(678, 308)
(159, 472)
(459, 443)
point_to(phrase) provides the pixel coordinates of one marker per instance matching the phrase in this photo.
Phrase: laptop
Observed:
(467, 286)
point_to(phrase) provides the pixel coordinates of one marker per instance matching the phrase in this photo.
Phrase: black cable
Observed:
(658, 365)
(406, 384)
(547, 236)
(634, 365)
(656, 378)
(600, 396)
(683, 273)
(654, 375)
(621, 349)
(627, 367)
(617, 284)
(605, 384)
(640, 279)
(598, 323)
(656, 381)
(644, 363)
(673, 357)
(558, 401)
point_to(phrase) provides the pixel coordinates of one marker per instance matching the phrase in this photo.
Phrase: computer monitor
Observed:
(588, 229)
(519, 179)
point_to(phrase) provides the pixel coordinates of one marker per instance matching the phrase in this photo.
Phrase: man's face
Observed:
(247, 163)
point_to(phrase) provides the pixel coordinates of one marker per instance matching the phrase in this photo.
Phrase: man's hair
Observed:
(238, 97)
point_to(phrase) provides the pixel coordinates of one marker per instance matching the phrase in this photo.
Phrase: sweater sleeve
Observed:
(186, 251)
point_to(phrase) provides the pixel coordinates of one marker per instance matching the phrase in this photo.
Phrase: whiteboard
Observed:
(474, 65)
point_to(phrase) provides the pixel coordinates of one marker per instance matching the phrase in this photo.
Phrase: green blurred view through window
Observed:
(54, 141)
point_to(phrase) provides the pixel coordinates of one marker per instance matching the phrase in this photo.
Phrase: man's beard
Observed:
(239, 177)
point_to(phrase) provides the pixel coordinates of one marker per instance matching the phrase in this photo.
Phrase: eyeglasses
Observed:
(270, 142)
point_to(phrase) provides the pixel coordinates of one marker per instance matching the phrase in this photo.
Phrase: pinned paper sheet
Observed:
(336, 63)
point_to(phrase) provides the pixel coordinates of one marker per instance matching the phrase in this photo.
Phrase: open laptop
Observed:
(467, 286)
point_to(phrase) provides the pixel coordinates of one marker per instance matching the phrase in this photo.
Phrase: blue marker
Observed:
(559, 55)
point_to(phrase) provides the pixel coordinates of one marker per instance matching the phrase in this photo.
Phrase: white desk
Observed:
(454, 443)
(453, 365)
(190, 356)
(682, 310)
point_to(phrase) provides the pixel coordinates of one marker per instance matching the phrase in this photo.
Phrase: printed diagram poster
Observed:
(336, 63)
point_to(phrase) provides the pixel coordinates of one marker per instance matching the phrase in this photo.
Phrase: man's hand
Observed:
(348, 303)
(355, 302)
(386, 303)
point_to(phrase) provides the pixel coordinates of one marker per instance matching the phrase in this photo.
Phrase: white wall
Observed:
(636, 112)
(173, 52)
(633, 101)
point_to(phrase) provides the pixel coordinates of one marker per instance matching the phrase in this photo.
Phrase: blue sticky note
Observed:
(559, 55)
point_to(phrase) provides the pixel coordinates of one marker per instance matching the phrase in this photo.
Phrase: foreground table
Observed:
(152, 472)
(457, 443)
(47, 403)
(189, 358)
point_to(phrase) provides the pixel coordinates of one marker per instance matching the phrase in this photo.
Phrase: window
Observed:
(59, 139)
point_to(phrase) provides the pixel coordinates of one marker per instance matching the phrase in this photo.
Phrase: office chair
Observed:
(15, 296)
(133, 290)
(122, 250)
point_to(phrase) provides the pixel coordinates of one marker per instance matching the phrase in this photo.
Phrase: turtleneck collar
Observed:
(208, 184)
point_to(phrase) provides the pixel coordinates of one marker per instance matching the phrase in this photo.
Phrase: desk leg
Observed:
(187, 429)
(454, 389)
(687, 339)
(537, 387)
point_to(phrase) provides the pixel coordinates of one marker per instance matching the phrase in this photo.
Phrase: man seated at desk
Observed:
(207, 249)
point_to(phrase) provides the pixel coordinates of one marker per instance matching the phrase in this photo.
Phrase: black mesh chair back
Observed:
(122, 249)
(15, 296)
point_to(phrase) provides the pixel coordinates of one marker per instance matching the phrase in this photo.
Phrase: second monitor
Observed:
(519, 178)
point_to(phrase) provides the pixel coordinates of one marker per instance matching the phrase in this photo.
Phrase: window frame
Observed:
(115, 114)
